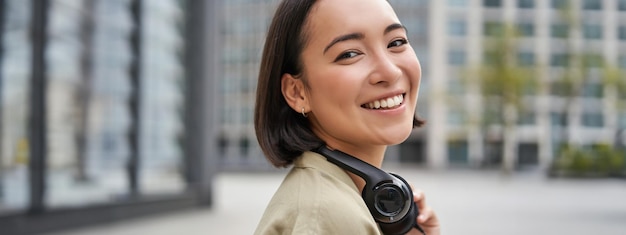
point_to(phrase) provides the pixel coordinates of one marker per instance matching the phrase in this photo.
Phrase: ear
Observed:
(294, 93)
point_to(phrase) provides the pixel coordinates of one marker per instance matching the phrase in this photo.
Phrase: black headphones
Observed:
(388, 196)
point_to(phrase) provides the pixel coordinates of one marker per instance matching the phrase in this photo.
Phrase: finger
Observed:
(425, 214)
(420, 198)
(428, 218)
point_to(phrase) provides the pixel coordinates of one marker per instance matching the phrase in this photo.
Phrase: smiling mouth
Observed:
(386, 103)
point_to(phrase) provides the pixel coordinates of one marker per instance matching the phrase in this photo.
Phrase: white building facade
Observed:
(457, 34)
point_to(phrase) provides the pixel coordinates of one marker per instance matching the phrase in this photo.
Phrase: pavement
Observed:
(468, 202)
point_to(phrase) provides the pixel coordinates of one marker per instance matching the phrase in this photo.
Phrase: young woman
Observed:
(339, 74)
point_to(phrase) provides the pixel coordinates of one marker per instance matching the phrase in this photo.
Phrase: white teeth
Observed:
(388, 103)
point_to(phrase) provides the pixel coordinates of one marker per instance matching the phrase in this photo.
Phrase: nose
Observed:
(385, 70)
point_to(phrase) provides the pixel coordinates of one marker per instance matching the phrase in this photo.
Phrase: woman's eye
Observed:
(347, 55)
(397, 43)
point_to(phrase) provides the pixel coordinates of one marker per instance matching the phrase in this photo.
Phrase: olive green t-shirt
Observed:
(316, 197)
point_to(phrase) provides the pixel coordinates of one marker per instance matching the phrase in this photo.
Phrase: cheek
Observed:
(413, 69)
(339, 82)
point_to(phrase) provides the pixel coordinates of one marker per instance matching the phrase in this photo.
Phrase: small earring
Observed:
(303, 113)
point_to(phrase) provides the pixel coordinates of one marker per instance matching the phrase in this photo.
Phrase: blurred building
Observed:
(104, 110)
(448, 37)
(458, 31)
(117, 108)
(242, 30)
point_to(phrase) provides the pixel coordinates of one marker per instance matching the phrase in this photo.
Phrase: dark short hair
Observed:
(284, 134)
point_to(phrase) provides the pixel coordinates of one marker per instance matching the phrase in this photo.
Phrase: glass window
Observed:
(559, 31)
(622, 61)
(559, 60)
(457, 28)
(526, 29)
(593, 119)
(621, 5)
(526, 118)
(456, 57)
(458, 152)
(526, 59)
(526, 3)
(90, 91)
(559, 4)
(528, 154)
(593, 90)
(456, 117)
(492, 3)
(592, 31)
(163, 99)
(457, 3)
(622, 33)
(592, 5)
(14, 106)
(558, 119)
(622, 120)
(88, 106)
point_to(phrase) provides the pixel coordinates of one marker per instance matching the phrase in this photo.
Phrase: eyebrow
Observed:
(393, 27)
(359, 36)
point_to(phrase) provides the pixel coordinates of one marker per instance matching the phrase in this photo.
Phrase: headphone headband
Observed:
(357, 166)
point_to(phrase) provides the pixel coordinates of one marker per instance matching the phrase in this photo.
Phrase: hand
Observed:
(427, 218)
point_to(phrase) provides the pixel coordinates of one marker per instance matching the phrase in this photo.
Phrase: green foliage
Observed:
(600, 160)
(573, 159)
(502, 80)
(577, 64)
(613, 76)
(609, 159)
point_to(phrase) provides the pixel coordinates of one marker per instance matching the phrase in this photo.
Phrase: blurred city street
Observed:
(111, 110)
(468, 202)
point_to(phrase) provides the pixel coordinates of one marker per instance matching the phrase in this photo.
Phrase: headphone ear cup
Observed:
(408, 220)
(388, 202)
(403, 225)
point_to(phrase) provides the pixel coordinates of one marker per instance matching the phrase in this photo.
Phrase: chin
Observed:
(398, 136)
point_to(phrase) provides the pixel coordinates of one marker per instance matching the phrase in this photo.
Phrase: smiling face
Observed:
(362, 76)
